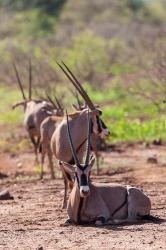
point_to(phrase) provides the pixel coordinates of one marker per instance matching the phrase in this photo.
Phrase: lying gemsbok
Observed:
(59, 143)
(101, 203)
(35, 111)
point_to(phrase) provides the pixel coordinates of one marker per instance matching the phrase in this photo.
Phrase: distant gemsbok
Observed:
(100, 203)
(59, 141)
(35, 111)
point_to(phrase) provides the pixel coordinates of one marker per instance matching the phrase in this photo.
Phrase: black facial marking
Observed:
(91, 127)
(83, 180)
(69, 177)
(72, 162)
(98, 124)
(103, 124)
(77, 179)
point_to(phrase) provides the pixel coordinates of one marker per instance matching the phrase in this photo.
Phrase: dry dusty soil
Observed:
(34, 220)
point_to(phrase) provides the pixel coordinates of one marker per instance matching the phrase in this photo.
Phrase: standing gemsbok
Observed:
(101, 203)
(96, 141)
(47, 129)
(59, 142)
(35, 111)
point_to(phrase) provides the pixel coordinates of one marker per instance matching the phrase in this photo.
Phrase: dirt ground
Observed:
(34, 220)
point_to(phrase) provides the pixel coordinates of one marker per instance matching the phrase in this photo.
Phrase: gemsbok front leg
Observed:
(68, 183)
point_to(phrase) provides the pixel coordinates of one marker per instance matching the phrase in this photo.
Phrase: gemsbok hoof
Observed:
(68, 222)
(99, 223)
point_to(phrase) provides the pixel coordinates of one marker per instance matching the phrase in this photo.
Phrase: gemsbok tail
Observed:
(152, 218)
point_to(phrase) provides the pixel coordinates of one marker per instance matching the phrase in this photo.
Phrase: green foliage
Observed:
(125, 130)
(155, 11)
(88, 54)
(38, 17)
(51, 7)
(8, 116)
(136, 5)
(106, 55)
(129, 118)
(151, 10)
(35, 23)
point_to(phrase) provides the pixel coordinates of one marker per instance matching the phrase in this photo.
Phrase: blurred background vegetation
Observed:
(116, 48)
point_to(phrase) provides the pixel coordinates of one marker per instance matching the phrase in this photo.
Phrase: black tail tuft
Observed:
(152, 218)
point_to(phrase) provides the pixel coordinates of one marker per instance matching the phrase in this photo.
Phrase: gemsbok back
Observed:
(101, 203)
(59, 142)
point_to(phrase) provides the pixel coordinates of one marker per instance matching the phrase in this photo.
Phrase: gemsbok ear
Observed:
(68, 168)
(23, 103)
(91, 161)
(97, 112)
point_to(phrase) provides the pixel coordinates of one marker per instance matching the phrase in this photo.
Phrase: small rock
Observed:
(13, 155)
(3, 176)
(151, 242)
(5, 195)
(163, 164)
(146, 144)
(152, 159)
(40, 248)
(19, 164)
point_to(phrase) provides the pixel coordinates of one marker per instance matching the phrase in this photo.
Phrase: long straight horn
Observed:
(75, 94)
(30, 79)
(51, 101)
(19, 81)
(71, 143)
(81, 89)
(88, 142)
(78, 100)
(77, 85)
(58, 102)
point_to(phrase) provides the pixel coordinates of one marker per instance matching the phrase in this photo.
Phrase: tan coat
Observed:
(104, 200)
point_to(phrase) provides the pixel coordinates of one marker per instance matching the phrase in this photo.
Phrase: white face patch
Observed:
(49, 112)
(84, 189)
(44, 102)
